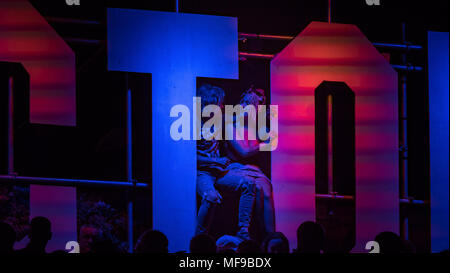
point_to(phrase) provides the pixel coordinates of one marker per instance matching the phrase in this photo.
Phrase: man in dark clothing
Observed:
(40, 234)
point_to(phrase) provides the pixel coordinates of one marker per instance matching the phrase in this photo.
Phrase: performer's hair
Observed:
(253, 96)
(210, 94)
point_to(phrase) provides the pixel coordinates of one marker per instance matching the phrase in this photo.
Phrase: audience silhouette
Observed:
(228, 244)
(248, 247)
(87, 236)
(40, 234)
(7, 238)
(202, 243)
(152, 241)
(389, 242)
(276, 242)
(310, 238)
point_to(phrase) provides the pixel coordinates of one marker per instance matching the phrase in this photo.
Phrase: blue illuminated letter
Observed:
(176, 48)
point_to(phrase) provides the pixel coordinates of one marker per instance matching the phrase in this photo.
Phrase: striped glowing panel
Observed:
(335, 52)
(27, 38)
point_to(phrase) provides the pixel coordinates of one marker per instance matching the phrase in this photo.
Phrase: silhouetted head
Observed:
(276, 242)
(41, 231)
(228, 244)
(152, 241)
(389, 242)
(88, 234)
(249, 246)
(310, 238)
(7, 237)
(202, 243)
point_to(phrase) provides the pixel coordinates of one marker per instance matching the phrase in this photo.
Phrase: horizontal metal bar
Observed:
(349, 197)
(241, 34)
(69, 182)
(413, 201)
(83, 182)
(82, 41)
(283, 37)
(265, 36)
(72, 21)
(335, 196)
(245, 55)
(407, 67)
(269, 56)
(398, 46)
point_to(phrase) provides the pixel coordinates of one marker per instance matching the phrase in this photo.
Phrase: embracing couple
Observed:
(221, 167)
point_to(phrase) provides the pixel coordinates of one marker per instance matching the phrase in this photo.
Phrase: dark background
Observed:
(94, 149)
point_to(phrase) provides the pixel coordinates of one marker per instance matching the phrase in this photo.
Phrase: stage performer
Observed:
(212, 173)
(241, 153)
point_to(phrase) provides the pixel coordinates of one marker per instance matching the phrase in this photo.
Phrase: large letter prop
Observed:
(27, 38)
(438, 92)
(338, 53)
(176, 48)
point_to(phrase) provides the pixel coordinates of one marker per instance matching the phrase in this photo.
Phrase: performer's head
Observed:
(253, 96)
(211, 95)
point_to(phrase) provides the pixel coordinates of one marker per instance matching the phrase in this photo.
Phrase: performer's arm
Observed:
(223, 161)
(244, 148)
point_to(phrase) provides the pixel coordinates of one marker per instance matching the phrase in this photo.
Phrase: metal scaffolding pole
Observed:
(10, 127)
(66, 182)
(130, 194)
(329, 11)
(403, 138)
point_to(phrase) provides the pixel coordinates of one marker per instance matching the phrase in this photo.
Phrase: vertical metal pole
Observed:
(404, 137)
(329, 11)
(129, 170)
(330, 144)
(405, 117)
(177, 7)
(10, 127)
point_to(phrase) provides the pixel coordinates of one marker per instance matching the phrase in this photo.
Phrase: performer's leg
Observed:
(238, 182)
(210, 198)
(265, 207)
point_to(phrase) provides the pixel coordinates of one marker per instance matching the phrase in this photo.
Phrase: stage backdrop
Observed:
(27, 38)
(176, 48)
(337, 53)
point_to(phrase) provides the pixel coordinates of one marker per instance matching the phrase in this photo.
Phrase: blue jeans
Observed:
(233, 181)
(264, 209)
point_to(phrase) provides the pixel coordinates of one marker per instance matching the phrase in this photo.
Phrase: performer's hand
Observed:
(213, 196)
(224, 161)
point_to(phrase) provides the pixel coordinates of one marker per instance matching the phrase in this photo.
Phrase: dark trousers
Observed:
(233, 181)
(253, 186)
